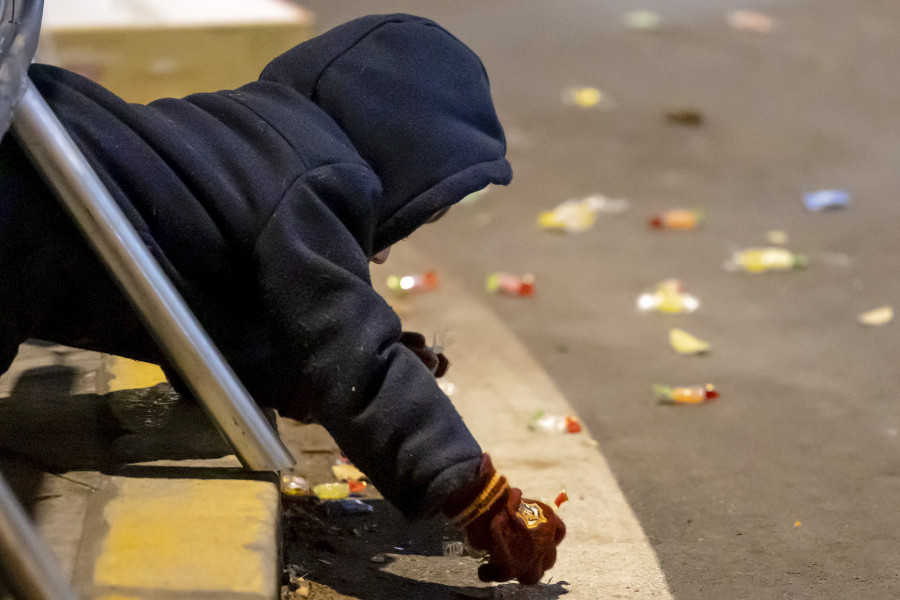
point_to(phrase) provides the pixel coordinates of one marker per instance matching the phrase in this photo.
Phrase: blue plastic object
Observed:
(823, 199)
(347, 508)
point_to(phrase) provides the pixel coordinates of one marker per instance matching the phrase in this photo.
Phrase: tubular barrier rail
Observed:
(28, 564)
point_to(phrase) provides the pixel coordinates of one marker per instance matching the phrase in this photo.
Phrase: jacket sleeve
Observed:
(339, 341)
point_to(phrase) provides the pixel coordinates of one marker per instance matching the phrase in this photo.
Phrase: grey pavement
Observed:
(787, 486)
(133, 491)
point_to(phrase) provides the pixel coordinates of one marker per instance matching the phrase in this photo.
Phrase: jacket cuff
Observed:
(474, 501)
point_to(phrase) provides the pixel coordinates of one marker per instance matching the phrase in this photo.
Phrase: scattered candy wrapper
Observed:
(684, 343)
(643, 20)
(777, 237)
(760, 260)
(474, 196)
(441, 340)
(453, 548)
(824, 199)
(562, 497)
(346, 472)
(677, 218)
(347, 508)
(585, 97)
(571, 216)
(541, 421)
(689, 117)
(696, 394)
(294, 485)
(331, 491)
(608, 206)
(356, 487)
(579, 214)
(745, 20)
(448, 387)
(878, 316)
(668, 297)
(408, 284)
(473, 551)
(510, 285)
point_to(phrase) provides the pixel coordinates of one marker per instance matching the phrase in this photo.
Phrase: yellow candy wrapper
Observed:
(684, 343)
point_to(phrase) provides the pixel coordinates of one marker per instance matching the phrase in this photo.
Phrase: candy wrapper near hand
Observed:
(520, 535)
(436, 362)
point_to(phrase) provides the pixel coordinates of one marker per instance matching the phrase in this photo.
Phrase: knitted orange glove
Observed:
(519, 534)
(437, 363)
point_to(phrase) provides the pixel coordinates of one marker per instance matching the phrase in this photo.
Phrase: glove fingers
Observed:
(442, 366)
(494, 572)
(549, 558)
(428, 358)
(560, 531)
(412, 339)
(532, 575)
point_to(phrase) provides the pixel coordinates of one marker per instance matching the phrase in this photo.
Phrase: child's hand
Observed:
(520, 535)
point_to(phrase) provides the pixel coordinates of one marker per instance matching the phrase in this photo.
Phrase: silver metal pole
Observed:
(20, 27)
(169, 319)
(31, 571)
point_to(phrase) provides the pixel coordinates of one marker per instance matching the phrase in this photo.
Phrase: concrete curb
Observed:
(498, 386)
(183, 528)
(176, 528)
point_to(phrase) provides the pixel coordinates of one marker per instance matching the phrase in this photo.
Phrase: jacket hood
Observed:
(416, 104)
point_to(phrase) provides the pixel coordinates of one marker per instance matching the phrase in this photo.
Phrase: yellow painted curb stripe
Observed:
(191, 535)
(127, 374)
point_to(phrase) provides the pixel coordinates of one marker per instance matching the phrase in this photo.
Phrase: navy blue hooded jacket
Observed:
(263, 205)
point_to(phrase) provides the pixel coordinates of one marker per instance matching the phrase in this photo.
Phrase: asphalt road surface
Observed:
(788, 485)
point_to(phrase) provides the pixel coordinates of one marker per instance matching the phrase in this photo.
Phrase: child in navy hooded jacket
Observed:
(264, 205)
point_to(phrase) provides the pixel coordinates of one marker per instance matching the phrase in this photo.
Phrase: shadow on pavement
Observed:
(43, 425)
(381, 554)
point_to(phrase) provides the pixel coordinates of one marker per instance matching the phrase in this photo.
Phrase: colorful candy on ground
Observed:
(563, 497)
(677, 218)
(823, 199)
(668, 298)
(548, 423)
(760, 260)
(331, 491)
(346, 472)
(877, 316)
(356, 486)
(448, 387)
(696, 394)
(580, 214)
(684, 343)
(294, 485)
(643, 20)
(777, 237)
(746, 20)
(454, 548)
(511, 285)
(413, 283)
(585, 97)
(348, 508)
(474, 196)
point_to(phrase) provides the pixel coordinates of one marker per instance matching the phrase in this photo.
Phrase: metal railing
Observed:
(24, 559)
(168, 318)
